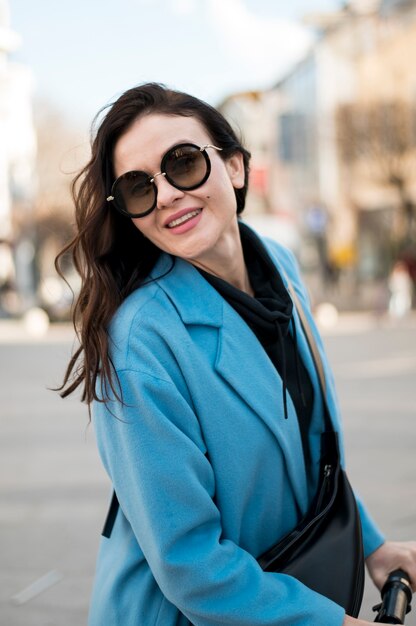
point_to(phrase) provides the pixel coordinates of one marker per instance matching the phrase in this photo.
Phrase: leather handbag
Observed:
(325, 550)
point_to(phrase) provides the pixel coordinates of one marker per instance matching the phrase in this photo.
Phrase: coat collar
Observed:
(240, 359)
(195, 300)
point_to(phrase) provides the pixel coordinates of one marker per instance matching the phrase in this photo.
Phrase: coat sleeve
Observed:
(154, 452)
(372, 536)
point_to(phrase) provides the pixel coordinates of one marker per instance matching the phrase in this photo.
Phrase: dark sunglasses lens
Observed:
(134, 193)
(185, 167)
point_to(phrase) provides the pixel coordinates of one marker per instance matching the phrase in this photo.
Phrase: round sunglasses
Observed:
(185, 166)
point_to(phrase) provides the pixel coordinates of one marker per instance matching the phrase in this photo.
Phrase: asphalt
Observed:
(54, 492)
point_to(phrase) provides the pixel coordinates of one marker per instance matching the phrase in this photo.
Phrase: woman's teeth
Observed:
(184, 218)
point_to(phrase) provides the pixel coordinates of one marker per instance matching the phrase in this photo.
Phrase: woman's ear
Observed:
(235, 168)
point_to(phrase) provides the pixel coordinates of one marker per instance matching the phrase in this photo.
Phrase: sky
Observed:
(85, 53)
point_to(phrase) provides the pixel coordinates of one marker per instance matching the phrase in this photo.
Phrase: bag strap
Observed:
(309, 336)
(313, 347)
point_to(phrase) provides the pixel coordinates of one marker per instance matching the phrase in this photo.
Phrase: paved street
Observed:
(53, 491)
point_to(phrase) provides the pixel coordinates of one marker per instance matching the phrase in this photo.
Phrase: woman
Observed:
(205, 398)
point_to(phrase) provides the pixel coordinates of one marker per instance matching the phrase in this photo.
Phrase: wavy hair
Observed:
(110, 254)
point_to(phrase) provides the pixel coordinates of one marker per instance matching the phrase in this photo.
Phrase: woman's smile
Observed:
(182, 218)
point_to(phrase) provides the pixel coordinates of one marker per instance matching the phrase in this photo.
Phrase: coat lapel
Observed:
(243, 363)
(240, 361)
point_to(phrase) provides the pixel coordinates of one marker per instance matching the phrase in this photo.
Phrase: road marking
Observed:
(37, 587)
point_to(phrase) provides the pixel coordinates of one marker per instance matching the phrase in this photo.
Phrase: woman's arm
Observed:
(154, 452)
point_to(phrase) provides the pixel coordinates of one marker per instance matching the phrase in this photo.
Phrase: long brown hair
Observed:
(109, 253)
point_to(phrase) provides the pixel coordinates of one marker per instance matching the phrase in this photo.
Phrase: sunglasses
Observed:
(185, 166)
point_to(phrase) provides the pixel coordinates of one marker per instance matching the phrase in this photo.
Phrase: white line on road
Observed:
(38, 586)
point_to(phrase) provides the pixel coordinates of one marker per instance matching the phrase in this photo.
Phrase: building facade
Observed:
(345, 210)
(17, 174)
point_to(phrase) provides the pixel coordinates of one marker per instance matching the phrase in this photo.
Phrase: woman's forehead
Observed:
(149, 137)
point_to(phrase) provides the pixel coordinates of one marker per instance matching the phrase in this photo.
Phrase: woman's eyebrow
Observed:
(177, 142)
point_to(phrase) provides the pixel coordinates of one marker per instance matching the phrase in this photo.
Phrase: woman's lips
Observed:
(182, 217)
(186, 221)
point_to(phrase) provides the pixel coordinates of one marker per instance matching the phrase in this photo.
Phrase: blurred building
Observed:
(313, 181)
(255, 118)
(17, 174)
(380, 170)
(346, 188)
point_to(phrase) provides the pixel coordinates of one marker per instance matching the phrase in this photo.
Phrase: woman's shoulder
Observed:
(137, 319)
(133, 307)
(288, 266)
(283, 254)
(284, 258)
(140, 303)
(150, 320)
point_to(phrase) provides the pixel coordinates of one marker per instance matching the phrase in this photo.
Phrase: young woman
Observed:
(204, 394)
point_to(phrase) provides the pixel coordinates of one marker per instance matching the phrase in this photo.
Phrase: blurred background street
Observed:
(54, 493)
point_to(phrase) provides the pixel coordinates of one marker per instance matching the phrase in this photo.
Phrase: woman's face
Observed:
(207, 214)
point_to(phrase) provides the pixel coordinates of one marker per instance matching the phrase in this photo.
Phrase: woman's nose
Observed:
(167, 194)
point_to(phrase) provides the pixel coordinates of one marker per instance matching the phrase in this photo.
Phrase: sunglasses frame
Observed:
(151, 179)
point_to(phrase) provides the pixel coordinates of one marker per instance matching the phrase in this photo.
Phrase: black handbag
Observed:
(325, 550)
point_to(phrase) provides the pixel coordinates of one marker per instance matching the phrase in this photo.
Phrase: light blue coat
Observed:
(208, 472)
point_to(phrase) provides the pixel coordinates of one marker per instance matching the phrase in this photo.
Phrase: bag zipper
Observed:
(324, 487)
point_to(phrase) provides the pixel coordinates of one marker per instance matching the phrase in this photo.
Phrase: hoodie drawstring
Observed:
(284, 365)
(295, 341)
(284, 369)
